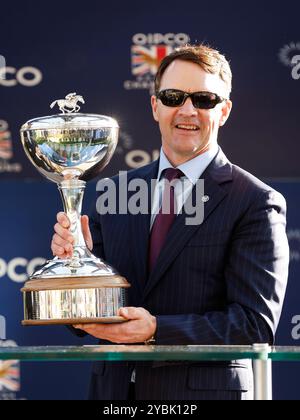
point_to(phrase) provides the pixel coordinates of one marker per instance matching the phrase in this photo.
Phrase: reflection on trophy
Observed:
(68, 149)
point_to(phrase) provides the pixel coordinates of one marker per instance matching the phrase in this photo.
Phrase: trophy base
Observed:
(75, 300)
(74, 321)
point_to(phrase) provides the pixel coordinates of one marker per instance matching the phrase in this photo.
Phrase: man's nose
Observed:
(188, 108)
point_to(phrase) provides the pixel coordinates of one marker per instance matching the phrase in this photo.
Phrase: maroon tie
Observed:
(163, 222)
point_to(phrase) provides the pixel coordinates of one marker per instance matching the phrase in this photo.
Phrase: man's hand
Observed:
(141, 326)
(63, 241)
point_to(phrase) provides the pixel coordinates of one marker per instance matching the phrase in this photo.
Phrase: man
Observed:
(221, 281)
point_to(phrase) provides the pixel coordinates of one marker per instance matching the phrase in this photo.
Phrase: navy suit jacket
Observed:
(220, 282)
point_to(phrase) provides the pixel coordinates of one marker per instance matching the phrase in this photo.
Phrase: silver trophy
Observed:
(70, 148)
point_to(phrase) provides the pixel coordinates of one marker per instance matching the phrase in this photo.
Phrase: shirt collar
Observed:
(194, 168)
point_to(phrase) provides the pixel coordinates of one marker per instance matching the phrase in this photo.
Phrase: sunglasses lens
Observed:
(171, 97)
(205, 100)
(201, 100)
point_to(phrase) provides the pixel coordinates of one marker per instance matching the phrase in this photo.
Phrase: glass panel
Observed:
(130, 352)
(280, 354)
(143, 352)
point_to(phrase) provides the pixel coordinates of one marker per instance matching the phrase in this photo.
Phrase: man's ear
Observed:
(154, 107)
(226, 110)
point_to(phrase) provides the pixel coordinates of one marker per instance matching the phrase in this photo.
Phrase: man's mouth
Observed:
(188, 127)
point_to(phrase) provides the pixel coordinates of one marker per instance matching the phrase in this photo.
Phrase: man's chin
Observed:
(191, 152)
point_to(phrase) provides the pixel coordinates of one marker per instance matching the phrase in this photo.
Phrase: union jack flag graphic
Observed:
(9, 376)
(146, 60)
(5, 145)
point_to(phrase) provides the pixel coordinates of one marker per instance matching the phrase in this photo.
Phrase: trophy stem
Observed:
(72, 192)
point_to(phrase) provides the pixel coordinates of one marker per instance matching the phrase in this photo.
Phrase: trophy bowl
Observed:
(69, 149)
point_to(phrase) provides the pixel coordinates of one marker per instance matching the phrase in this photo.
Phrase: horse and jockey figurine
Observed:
(69, 104)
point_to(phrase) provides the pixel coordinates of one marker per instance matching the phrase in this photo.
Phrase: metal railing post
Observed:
(262, 373)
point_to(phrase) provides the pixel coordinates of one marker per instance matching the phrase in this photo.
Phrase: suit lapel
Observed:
(218, 172)
(140, 229)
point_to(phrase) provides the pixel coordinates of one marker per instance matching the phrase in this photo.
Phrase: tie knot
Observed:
(171, 173)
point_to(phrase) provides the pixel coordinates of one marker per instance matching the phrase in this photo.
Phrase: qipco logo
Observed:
(19, 269)
(25, 76)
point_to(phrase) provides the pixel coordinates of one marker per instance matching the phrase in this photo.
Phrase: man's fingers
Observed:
(63, 220)
(63, 233)
(60, 252)
(93, 329)
(86, 232)
(132, 313)
(57, 250)
(58, 240)
(62, 241)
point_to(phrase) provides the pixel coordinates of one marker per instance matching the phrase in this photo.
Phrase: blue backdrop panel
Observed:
(109, 55)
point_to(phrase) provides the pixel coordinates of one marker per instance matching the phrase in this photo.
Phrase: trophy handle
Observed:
(72, 192)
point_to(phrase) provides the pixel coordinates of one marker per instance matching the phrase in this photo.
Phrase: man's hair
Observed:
(209, 59)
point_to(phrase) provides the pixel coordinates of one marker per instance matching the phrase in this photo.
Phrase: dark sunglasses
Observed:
(200, 100)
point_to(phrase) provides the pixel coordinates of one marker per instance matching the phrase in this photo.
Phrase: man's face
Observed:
(201, 125)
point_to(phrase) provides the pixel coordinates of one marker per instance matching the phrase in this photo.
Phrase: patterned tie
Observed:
(163, 222)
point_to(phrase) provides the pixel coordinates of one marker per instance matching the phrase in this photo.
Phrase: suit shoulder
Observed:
(250, 180)
(250, 184)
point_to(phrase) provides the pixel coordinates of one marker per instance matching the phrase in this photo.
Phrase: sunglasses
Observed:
(200, 100)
